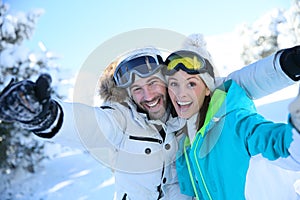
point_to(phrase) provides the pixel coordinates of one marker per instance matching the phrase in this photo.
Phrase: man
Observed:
(137, 136)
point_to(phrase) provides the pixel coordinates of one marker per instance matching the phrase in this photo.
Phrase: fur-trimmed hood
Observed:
(108, 90)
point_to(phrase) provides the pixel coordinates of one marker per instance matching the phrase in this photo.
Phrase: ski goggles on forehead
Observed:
(187, 61)
(143, 66)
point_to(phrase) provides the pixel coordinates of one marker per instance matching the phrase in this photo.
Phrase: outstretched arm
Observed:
(269, 74)
(30, 105)
(292, 162)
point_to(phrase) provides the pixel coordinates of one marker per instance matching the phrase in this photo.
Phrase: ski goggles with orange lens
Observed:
(188, 61)
(143, 66)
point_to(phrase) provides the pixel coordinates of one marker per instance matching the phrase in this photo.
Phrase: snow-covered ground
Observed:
(69, 175)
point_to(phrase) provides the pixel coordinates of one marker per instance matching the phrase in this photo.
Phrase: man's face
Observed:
(150, 94)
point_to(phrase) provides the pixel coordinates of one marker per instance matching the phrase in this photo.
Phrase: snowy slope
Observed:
(71, 175)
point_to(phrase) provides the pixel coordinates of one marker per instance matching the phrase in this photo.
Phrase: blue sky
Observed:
(74, 29)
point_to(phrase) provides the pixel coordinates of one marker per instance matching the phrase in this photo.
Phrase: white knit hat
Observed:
(197, 44)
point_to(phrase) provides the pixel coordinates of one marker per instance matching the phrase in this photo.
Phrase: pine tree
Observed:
(276, 30)
(19, 148)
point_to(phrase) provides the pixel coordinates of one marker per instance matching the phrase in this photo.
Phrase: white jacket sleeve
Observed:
(86, 128)
(261, 78)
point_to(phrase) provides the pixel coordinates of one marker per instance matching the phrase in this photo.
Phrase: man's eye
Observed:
(135, 89)
(152, 82)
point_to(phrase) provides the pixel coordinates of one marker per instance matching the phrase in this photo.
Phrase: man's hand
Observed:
(25, 100)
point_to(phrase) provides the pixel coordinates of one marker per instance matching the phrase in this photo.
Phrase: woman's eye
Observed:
(192, 84)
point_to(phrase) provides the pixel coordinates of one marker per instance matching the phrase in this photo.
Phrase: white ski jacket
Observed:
(134, 147)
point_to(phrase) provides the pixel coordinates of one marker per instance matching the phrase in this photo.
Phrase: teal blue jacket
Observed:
(215, 165)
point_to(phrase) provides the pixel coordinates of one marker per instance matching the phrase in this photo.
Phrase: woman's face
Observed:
(187, 93)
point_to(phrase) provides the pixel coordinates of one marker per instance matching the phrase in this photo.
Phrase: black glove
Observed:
(29, 103)
(290, 62)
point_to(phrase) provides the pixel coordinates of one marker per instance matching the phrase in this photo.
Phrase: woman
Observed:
(223, 130)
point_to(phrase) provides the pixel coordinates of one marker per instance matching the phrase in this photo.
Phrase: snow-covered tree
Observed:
(275, 30)
(289, 32)
(18, 148)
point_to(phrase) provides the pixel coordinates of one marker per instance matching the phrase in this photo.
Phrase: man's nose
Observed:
(148, 93)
